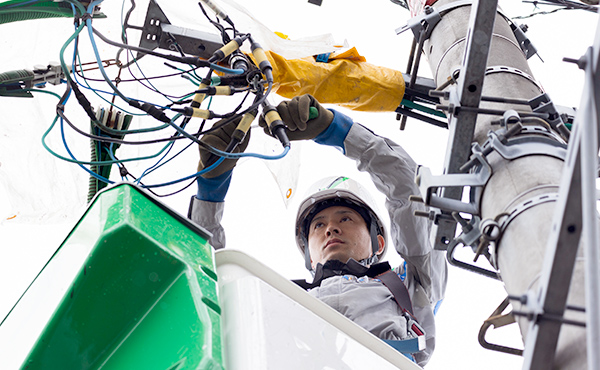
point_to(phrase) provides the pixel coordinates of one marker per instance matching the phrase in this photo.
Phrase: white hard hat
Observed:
(338, 191)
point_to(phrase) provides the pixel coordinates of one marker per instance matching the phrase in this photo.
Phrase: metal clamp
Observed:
(497, 319)
(515, 71)
(543, 104)
(428, 185)
(469, 237)
(518, 147)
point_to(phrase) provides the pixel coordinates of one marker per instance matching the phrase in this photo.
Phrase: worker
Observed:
(339, 231)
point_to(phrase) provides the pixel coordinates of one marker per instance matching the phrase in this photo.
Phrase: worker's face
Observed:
(339, 233)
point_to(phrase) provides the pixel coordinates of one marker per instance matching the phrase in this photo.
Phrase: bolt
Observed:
(581, 62)
(430, 215)
(416, 198)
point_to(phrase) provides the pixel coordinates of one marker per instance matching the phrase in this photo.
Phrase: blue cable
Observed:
(226, 70)
(64, 140)
(253, 155)
(92, 173)
(88, 23)
(156, 165)
(19, 4)
(223, 154)
(112, 156)
(197, 174)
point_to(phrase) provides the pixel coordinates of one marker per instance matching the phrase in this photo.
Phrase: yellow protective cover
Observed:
(346, 80)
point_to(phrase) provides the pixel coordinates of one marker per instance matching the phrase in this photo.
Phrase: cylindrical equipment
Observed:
(520, 251)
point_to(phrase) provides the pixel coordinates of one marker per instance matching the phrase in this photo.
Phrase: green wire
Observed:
(68, 76)
(422, 108)
(93, 162)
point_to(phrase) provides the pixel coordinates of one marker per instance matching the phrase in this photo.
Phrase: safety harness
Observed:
(387, 276)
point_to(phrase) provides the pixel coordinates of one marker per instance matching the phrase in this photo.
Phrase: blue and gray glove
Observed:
(213, 185)
(329, 127)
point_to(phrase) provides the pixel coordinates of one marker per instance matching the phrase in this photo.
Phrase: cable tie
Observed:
(86, 16)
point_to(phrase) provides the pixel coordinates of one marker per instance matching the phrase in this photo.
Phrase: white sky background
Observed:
(41, 198)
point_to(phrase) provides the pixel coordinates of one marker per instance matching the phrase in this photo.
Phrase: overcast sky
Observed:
(41, 197)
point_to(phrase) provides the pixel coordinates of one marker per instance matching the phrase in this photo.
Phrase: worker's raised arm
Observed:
(206, 207)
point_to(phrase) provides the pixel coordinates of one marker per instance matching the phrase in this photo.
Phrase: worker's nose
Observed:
(332, 229)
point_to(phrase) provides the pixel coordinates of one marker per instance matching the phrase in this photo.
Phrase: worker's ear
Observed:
(381, 242)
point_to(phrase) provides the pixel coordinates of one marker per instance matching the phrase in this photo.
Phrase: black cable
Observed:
(566, 5)
(185, 60)
(224, 36)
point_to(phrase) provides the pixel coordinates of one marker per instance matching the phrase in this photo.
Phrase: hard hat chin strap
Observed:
(307, 261)
(374, 231)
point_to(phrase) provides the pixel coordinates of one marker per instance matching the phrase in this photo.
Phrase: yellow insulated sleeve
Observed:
(223, 90)
(356, 85)
(199, 98)
(272, 116)
(242, 128)
(230, 47)
(245, 123)
(202, 113)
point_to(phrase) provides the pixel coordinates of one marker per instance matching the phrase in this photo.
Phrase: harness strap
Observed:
(395, 285)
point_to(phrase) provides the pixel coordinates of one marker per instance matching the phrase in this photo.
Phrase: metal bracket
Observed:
(497, 319)
(429, 184)
(424, 22)
(430, 18)
(517, 210)
(158, 32)
(543, 104)
(519, 31)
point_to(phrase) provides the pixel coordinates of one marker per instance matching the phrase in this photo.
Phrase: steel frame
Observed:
(466, 94)
(575, 221)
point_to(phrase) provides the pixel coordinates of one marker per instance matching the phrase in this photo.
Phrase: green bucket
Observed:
(145, 298)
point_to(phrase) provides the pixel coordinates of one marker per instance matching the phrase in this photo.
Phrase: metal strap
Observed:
(506, 69)
(523, 206)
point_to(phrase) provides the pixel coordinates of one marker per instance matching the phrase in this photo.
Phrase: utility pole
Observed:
(507, 143)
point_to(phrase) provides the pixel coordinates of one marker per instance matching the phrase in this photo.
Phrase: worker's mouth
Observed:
(333, 242)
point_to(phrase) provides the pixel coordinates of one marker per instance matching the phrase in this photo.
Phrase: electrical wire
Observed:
(198, 62)
(110, 142)
(566, 5)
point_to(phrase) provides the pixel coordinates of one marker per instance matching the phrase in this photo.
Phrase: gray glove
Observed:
(220, 139)
(295, 114)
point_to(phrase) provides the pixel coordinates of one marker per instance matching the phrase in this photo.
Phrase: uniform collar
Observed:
(337, 268)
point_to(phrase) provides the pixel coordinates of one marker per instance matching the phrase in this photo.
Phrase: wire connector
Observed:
(275, 124)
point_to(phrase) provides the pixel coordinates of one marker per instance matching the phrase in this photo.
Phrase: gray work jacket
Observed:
(392, 170)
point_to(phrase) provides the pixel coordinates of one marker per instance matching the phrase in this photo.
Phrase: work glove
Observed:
(219, 139)
(295, 114)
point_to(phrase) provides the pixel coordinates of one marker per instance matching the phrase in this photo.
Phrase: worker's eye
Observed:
(345, 218)
(317, 225)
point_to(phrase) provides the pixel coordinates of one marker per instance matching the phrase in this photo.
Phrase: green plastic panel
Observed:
(145, 298)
